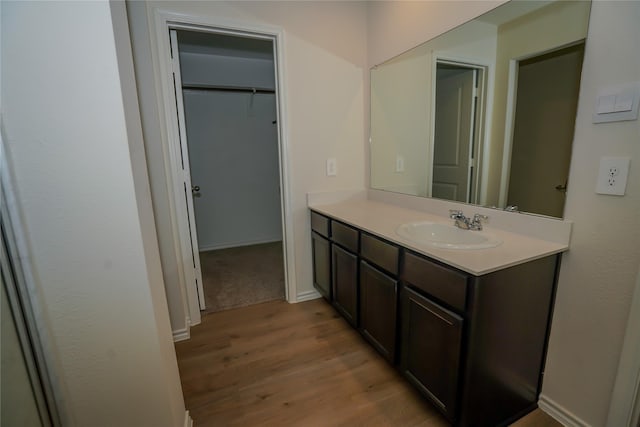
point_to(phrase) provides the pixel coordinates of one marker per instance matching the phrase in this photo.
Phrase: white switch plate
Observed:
(332, 167)
(612, 176)
(399, 163)
(617, 103)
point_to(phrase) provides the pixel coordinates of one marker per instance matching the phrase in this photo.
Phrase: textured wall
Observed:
(72, 146)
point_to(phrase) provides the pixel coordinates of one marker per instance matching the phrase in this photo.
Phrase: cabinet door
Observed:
(321, 258)
(378, 301)
(431, 341)
(345, 283)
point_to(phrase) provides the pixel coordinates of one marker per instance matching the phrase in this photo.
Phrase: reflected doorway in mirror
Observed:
(546, 88)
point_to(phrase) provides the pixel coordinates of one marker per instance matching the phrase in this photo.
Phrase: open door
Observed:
(186, 173)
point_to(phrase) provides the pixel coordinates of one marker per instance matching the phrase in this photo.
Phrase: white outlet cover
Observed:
(332, 167)
(612, 175)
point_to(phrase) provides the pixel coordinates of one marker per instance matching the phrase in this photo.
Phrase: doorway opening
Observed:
(459, 110)
(225, 87)
(546, 88)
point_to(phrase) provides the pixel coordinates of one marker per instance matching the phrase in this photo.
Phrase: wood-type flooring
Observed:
(280, 364)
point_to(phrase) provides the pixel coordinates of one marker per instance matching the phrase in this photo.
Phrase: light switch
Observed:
(606, 104)
(618, 103)
(624, 102)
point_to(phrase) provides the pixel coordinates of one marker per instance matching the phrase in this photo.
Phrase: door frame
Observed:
(25, 305)
(510, 115)
(481, 114)
(184, 172)
(164, 22)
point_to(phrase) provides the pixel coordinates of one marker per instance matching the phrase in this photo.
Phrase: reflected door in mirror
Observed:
(453, 137)
(547, 99)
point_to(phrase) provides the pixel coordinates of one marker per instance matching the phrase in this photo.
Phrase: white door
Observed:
(186, 174)
(453, 147)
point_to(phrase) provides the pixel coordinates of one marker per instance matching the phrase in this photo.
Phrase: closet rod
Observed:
(228, 89)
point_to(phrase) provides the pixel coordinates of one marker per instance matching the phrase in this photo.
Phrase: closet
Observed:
(230, 116)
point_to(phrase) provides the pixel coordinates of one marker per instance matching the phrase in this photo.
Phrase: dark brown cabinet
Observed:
(378, 302)
(473, 345)
(345, 283)
(321, 256)
(431, 347)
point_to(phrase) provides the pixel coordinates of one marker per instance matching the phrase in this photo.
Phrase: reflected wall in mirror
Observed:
(484, 113)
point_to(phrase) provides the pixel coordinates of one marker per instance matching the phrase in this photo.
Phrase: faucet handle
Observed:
(455, 213)
(476, 224)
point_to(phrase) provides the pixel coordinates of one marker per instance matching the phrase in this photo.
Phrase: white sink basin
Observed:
(447, 236)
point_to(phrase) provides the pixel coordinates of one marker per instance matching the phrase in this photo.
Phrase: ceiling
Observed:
(513, 10)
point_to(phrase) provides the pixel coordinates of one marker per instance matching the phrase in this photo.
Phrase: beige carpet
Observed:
(237, 277)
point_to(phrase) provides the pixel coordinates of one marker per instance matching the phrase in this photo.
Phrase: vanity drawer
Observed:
(344, 235)
(379, 252)
(320, 224)
(449, 286)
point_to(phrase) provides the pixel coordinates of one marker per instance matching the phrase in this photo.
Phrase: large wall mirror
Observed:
(484, 113)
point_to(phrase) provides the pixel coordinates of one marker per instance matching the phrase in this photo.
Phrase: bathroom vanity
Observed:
(467, 328)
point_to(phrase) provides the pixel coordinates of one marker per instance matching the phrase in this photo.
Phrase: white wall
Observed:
(325, 73)
(233, 152)
(599, 271)
(80, 188)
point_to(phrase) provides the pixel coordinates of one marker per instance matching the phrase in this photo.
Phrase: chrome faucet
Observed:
(465, 223)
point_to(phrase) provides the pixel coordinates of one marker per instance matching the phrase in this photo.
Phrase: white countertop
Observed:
(382, 219)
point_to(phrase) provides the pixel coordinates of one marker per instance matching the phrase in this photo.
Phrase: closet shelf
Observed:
(228, 88)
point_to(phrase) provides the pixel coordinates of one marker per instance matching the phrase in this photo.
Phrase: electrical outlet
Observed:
(332, 167)
(612, 176)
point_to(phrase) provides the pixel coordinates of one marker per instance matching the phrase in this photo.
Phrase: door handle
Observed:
(562, 188)
(196, 188)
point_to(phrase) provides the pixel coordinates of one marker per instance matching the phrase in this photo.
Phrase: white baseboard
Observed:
(188, 422)
(227, 245)
(307, 296)
(181, 334)
(560, 413)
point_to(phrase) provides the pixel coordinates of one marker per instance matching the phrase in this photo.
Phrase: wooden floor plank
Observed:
(283, 364)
